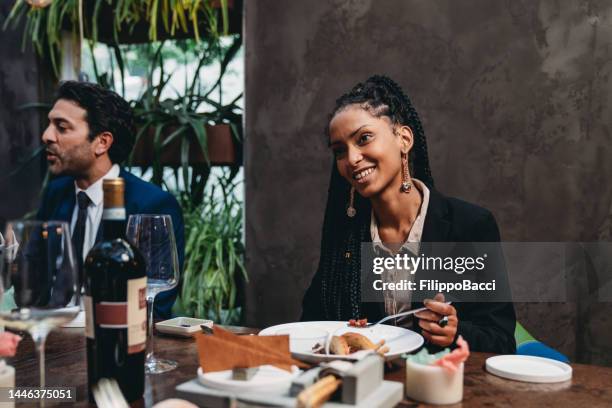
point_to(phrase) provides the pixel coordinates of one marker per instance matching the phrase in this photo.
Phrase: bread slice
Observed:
(339, 346)
(358, 342)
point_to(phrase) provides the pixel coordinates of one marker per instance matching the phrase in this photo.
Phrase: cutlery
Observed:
(384, 319)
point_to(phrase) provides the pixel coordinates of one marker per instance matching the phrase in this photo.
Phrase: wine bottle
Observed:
(115, 302)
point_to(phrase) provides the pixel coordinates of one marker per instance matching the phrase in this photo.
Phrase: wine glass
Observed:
(40, 274)
(153, 235)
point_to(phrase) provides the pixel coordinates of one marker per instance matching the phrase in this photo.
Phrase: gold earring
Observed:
(406, 184)
(350, 211)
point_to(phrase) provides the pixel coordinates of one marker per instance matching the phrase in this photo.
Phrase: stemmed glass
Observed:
(153, 235)
(39, 272)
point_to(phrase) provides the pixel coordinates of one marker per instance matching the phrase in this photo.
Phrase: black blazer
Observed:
(487, 326)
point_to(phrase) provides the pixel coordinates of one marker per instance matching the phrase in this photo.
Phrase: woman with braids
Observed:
(382, 191)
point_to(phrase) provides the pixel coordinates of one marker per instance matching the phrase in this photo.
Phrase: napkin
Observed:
(223, 350)
(451, 361)
(448, 360)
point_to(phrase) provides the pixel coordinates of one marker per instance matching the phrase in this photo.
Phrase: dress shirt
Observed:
(94, 211)
(400, 301)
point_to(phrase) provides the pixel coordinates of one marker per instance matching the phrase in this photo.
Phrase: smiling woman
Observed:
(382, 192)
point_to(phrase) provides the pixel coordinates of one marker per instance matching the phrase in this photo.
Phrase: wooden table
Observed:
(591, 386)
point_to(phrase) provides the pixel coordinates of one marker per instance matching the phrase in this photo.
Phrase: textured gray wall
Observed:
(19, 130)
(515, 97)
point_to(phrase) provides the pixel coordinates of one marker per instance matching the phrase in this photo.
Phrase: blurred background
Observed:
(515, 99)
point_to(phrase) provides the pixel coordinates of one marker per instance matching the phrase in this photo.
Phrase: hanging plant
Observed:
(44, 25)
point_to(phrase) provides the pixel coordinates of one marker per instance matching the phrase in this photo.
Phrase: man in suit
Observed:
(90, 133)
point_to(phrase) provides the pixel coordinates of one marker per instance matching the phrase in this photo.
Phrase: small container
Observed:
(182, 326)
(432, 384)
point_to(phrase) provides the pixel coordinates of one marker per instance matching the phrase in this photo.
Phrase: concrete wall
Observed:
(515, 97)
(19, 130)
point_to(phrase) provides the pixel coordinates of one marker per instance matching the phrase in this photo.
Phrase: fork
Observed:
(384, 319)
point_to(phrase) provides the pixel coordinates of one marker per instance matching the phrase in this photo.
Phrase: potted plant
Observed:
(214, 265)
(179, 133)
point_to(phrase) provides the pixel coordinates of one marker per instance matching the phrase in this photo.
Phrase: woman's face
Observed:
(368, 152)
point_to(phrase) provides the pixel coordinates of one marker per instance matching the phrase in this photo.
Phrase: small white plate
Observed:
(268, 379)
(398, 339)
(182, 326)
(529, 368)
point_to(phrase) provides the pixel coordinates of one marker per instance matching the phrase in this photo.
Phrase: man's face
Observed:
(69, 150)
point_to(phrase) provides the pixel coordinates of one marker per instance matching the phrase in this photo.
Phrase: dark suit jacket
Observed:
(487, 326)
(141, 197)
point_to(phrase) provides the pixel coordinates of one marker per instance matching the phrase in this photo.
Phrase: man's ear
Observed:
(406, 138)
(103, 142)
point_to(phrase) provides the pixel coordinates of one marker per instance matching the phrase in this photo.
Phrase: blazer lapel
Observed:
(131, 204)
(436, 230)
(66, 206)
(437, 223)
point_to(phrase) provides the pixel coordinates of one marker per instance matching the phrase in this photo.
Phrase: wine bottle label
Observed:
(137, 314)
(111, 315)
(113, 214)
(89, 319)
(130, 315)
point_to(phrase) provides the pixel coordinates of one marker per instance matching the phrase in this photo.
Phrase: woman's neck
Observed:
(395, 212)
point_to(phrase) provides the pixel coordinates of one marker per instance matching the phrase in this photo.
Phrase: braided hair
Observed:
(335, 292)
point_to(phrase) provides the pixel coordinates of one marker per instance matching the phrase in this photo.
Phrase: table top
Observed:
(67, 366)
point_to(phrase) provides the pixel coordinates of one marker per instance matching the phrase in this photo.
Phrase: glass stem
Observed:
(39, 343)
(150, 300)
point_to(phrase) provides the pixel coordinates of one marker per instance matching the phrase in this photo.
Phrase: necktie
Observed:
(78, 237)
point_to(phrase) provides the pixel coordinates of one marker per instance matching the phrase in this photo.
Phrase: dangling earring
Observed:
(350, 211)
(406, 184)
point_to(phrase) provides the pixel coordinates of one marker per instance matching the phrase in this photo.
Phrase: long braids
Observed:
(339, 281)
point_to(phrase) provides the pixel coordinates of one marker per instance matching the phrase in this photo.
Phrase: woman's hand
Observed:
(428, 320)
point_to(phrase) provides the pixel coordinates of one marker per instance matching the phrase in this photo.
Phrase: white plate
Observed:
(182, 326)
(268, 379)
(398, 339)
(529, 368)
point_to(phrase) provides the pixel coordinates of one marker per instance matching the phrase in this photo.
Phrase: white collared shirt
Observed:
(396, 301)
(94, 211)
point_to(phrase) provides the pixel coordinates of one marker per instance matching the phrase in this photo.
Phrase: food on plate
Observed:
(349, 343)
(358, 342)
(358, 322)
(339, 346)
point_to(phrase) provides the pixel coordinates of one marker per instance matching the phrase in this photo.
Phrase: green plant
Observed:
(44, 25)
(214, 254)
(183, 118)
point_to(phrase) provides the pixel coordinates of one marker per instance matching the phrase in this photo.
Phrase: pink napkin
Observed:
(8, 344)
(452, 360)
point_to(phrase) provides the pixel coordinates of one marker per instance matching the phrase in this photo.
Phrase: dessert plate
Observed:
(268, 379)
(529, 368)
